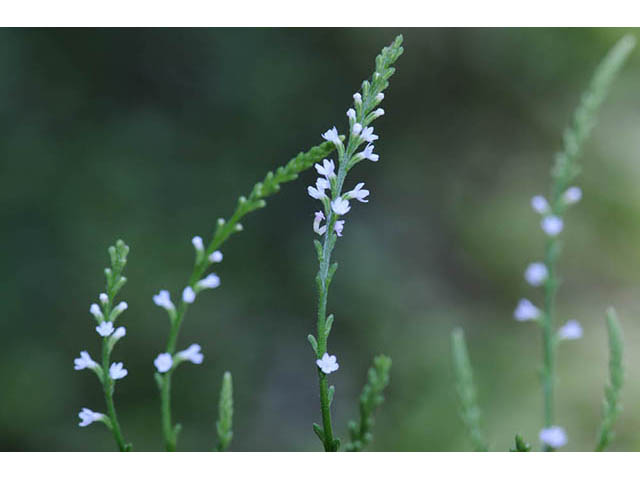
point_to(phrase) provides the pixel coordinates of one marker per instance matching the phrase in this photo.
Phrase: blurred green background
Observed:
(151, 134)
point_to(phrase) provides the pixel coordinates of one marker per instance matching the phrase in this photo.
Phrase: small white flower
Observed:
(121, 307)
(526, 311)
(368, 136)
(197, 243)
(378, 113)
(351, 113)
(540, 204)
(327, 169)
(359, 194)
(87, 417)
(572, 195)
(210, 281)
(357, 98)
(105, 329)
(322, 184)
(104, 298)
(119, 333)
(117, 371)
(163, 299)
(163, 362)
(316, 193)
(340, 206)
(553, 436)
(84, 361)
(192, 354)
(96, 312)
(368, 153)
(331, 135)
(319, 217)
(357, 128)
(338, 227)
(536, 274)
(572, 330)
(552, 225)
(380, 96)
(327, 363)
(215, 257)
(188, 295)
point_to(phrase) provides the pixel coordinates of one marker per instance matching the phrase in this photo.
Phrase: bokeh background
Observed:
(150, 135)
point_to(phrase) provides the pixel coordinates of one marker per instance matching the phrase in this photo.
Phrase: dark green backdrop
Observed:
(151, 134)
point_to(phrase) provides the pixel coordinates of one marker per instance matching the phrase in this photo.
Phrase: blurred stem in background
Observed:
(563, 173)
(269, 186)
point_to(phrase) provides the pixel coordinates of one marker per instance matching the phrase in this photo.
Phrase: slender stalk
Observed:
(269, 186)
(108, 387)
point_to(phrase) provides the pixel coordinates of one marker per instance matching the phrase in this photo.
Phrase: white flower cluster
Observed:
(165, 361)
(551, 223)
(111, 334)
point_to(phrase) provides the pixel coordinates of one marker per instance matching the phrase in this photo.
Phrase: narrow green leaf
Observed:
(313, 342)
(225, 413)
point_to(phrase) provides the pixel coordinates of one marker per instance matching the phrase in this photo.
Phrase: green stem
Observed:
(108, 387)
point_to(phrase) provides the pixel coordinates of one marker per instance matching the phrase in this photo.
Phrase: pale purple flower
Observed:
(572, 195)
(163, 362)
(331, 135)
(351, 114)
(378, 112)
(105, 329)
(163, 299)
(117, 371)
(368, 136)
(380, 96)
(552, 225)
(553, 436)
(526, 311)
(319, 217)
(87, 417)
(357, 128)
(104, 298)
(322, 183)
(357, 98)
(327, 363)
(536, 274)
(540, 204)
(358, 193)
(188, 295)
(338, 227)
(119, 333)
(118, 309)
(340, 206)
(327, 168)
(572, 330)
(84, 361)
(316, 193)
(368, 153)
(96, 312)
(192, 354)
(197, 243)
(215, 257)
(210, 281)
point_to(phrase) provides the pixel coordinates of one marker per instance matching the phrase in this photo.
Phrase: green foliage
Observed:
(224, 424)
(469, 410)
(520, 445)
(363, 114)
(611, 403)
(584, 118)
(370, 399)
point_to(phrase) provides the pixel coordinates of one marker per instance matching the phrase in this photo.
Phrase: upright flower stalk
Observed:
(336, 205)
(205, 257)
(563, 194)
(106, 313)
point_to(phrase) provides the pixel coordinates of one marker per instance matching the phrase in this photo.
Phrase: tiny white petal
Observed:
(340, 206)
(105, 329)
(331, 135)
(540, 204)
(319, 216)
(117, 371)
(368, 136)
(215, 257)
(327, 169)
(210, 281)
(379, 112)
(104, 298)
(163, 362)
(357, 98)
(553, 436)
(192, 354)
(119, 333)
(338, 227)
(368, 153)
(87, 417)
(572, 330)
(536, 274)
(357, 128)
(552, 225)
(351, 113)
(327, 363)
(163, 299)
(380, 96)
(359, 193)
(188, 295)
(526, 311)
(84, 361)
(315, 193)
(572, 195)
(322, 184)
(121, 307)
(197, 243)
(96, 312)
